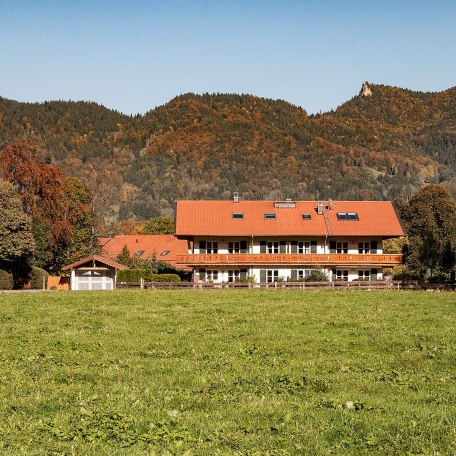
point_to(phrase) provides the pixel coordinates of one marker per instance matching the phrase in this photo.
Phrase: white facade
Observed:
(270, 272)
(93, 279)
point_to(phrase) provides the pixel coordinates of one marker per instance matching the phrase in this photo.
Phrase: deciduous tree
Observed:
(16, 239)
(430, 220)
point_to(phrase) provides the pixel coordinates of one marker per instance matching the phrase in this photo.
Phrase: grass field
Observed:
(227, 372)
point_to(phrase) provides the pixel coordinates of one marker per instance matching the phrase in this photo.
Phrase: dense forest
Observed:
(383, 146)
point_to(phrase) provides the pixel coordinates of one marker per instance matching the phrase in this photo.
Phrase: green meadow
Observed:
(228, 372)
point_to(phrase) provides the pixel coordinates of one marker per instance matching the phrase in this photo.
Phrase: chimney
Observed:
(330, 204)
(236, 197)
(320, 208)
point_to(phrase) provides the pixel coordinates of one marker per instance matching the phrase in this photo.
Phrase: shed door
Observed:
(95, 280)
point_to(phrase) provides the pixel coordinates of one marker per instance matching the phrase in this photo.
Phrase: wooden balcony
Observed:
(290, 259)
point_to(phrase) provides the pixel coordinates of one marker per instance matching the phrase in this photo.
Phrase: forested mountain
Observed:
(381, 146)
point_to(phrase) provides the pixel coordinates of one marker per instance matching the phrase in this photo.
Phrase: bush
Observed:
(37, 277)
(134, 275)
(165, 278)
(6, 280)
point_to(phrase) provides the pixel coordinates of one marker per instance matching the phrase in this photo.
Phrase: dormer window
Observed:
(270, 215)
(164, 253)
(139, 253)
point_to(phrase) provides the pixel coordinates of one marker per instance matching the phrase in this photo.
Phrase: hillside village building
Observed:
(165, 247)
(269, 241)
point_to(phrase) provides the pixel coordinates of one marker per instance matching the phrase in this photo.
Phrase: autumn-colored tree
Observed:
(60, 208)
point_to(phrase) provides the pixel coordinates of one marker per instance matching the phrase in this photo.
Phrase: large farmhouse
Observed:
(268, 241)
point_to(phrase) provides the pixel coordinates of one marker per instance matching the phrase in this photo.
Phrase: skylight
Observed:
(238, 215)
(269, 215)
(139, 252)
(347, 216)
(306, 216)
(164, 253)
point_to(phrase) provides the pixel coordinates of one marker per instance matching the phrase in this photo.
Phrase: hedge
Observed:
(37, 277)
(6, 280)
(134, 275)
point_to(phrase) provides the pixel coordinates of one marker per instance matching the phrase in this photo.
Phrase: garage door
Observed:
(94, 280)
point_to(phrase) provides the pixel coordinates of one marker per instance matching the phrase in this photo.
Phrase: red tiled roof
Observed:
(214, 218)
(95, 258)
(147, 244)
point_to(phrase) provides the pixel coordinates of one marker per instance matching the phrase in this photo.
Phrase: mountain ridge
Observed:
(382, 146)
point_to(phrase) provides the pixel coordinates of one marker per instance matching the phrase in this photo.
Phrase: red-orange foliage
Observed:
(40, 188)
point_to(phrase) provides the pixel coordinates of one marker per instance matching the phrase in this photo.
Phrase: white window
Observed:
(303, 273)
(364, 275)
(342, 275)
(272, 275)
(211, 247)
(212, 275)
(342, 247)
(272, 247)
(234, 247)
(303, 247)
(234, 275)
(363, 247)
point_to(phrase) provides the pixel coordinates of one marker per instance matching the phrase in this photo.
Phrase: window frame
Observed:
(341, 247)
(272, 247)
(212, 247)
(341, 275)
(362, 249)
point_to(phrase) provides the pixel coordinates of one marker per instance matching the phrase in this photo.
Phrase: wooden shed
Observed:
(94, 273)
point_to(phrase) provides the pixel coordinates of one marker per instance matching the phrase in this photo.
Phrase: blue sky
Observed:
(135, 55)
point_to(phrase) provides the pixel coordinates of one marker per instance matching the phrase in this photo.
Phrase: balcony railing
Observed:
(312, 259)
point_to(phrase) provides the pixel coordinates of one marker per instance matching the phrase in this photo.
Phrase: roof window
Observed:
(347, 216)
(139, 252)
(306, 216)
(269, 215)
(164, 253)
(237, 215)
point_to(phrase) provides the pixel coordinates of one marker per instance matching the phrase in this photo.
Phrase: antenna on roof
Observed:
(236, 197)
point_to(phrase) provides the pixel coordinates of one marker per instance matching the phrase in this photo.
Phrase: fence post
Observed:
(141, 283)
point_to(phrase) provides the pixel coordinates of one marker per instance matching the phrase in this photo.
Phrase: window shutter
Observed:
(262, 275)
(202, 274)
(243, 246)
(373, 275)
(262, 246)
(202, 246)
(283, 247)
(243, 274)
(332, 247)
(294, 246)
(294, 274)
(313, 246)
(373, 247)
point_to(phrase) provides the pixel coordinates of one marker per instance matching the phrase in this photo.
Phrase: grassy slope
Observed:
(227, 372)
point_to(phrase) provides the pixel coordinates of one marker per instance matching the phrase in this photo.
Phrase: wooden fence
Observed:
(343, 285)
